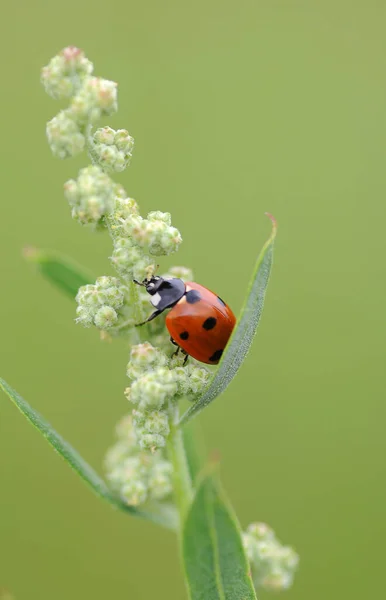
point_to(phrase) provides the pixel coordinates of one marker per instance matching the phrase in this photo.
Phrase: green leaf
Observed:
(80, 466)
(244, 332)
(59, 270)
(215, 563)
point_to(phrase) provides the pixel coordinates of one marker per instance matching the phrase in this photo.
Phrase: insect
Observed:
(199, 322)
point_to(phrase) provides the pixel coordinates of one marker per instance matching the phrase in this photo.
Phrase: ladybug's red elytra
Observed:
(199, 322)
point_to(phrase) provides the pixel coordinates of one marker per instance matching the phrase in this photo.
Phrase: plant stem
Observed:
(183, 490)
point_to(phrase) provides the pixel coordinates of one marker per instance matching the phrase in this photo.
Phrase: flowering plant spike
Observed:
(147, 470)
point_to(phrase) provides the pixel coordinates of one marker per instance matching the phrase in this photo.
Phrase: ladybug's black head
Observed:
(165, 292)
(153, 284)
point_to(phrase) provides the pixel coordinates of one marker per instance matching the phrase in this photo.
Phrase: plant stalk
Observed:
(182, 483)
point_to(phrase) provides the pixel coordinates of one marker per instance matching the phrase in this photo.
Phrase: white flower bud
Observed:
(104, 135)
(83, 316)
(106, 317)
(152, 441)
(134, 492)
(91, 196)
(97, 98)
(112, 150)
(157, 215)
(153, 388)
(143, 358)
(160, 480)
(273, 565)
(64, 136)
(157, 422)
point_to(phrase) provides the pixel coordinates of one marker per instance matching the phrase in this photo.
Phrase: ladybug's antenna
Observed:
(139, 283)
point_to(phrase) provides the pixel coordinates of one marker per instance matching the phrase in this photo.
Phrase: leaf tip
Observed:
(273, 221)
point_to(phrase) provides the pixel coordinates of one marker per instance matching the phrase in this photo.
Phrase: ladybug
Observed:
(199, 322)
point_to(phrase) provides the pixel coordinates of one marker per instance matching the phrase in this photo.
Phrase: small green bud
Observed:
(181, 377)
(64, 136)
(90, 296)
(153, 388)
(152, 441)
(134, 492)
(109, 158)
(190, 380)
(65, 73)
(155, 233)
(157, 215)
(198, 380)
(160, 480)
(124, 207)
(83, 316)
(106, 317)
(114, 297)
(139, 419)
(157, 422)
(105, 281)
(143, 358)
(124, 142)
(104, 135)
(129, 260)
(97, 98)
(167, 243)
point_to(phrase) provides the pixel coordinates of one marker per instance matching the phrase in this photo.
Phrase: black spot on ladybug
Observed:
(216, 356)
(184, 335)
(192, 296)
(209, 323)
(221, 301)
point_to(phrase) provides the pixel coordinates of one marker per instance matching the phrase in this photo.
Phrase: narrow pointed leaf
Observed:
(216, 567)
(79, 465)
(61, 271)
(244, 332)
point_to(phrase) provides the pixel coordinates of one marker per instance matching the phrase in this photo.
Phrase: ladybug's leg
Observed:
(175, 353)
(186, 357)
(152, 316)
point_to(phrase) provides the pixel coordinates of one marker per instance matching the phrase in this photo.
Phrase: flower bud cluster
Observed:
(92, 195)
(137, 240)
(156, 381)
(152, 384)
(112, 150)
(155, 233)
(135, 475)
(273, 565)
(100, 304)
(69, 75)
(64, 136)
(65, 73)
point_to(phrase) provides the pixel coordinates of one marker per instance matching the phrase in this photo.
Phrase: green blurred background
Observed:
(236, 108)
